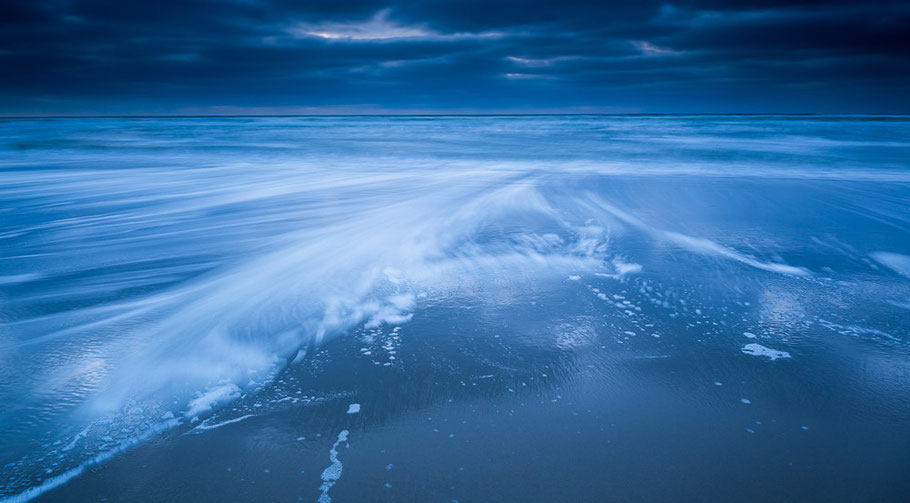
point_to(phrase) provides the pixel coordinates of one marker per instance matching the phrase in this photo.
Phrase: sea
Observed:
(531, 308)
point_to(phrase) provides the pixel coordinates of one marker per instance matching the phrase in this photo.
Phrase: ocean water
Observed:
(490, 308)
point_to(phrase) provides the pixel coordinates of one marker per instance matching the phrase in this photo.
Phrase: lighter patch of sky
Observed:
(539, 62)
(529, 76)
(649, 49)
(378, 27)
(406, 62)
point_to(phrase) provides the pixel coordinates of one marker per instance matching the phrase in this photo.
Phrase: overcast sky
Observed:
(249, 56)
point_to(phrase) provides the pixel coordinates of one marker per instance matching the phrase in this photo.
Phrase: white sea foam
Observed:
(699, 245)
(332, 473)
(899, 264)
(79, 436)
(759, 350)
(856, 330)
(208, 425)
(895, 261)
(622, 267)
(212, 397)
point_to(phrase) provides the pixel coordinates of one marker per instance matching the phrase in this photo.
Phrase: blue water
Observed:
(604, 299)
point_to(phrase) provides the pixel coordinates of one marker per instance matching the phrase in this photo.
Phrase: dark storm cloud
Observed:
(167, 56)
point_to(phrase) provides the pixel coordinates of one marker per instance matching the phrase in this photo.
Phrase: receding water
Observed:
(539, 308)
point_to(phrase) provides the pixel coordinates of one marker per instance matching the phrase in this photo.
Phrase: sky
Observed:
(115, 57)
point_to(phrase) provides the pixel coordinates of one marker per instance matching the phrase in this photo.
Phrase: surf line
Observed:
(333, 472)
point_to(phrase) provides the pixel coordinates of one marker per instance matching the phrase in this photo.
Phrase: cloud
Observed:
(649, 49)
(378, 27)
(528, 76)
(532, 62)
(691, 55)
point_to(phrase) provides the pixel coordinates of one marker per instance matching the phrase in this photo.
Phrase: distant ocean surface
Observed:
(465, 308)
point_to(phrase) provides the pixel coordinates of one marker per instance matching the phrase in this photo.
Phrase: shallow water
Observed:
(523, 308)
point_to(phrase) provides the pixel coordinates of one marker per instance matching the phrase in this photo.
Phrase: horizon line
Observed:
(492, 114)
